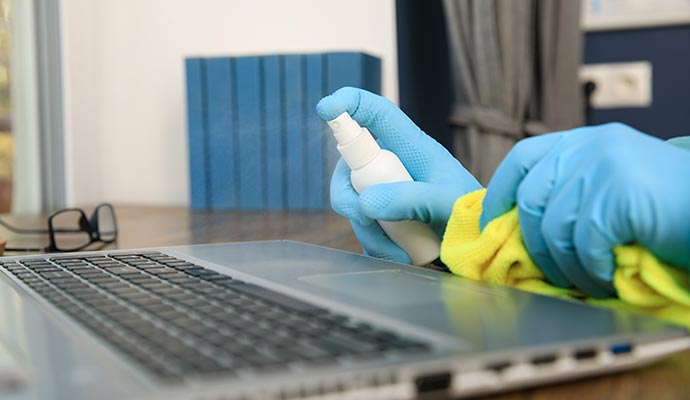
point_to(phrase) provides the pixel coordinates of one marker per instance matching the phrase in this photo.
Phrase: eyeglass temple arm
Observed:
(22, 230)
(22, 249)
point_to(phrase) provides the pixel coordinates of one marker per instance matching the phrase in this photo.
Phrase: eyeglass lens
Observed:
(69, 232)
(106, 223)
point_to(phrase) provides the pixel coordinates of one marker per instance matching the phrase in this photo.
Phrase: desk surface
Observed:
(169, 226)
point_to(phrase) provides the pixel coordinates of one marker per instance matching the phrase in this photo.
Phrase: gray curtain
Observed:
(514, 66)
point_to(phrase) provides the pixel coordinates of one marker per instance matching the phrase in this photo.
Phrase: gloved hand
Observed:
(580, 193)
(439, 178)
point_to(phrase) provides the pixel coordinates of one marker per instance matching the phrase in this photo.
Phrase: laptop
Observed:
(288, 320)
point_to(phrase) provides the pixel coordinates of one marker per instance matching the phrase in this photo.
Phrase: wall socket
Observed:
(618, 85)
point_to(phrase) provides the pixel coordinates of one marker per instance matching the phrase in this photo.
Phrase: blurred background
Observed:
(95, 95)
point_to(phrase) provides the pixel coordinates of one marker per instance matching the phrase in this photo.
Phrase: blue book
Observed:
(196, 131)
(344, 69)
(255, 140)
(294, 112)
(249, 133)
(222, 146)
(273, 132)
(372, 74)
(316, 177)
(349, 69)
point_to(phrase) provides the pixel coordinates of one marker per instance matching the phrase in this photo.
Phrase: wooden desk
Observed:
(168, 226)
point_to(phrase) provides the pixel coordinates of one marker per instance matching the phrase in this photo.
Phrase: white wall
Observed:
(26, 190)
(124, 78)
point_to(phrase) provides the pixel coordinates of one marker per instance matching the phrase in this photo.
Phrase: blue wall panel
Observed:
(668, 49)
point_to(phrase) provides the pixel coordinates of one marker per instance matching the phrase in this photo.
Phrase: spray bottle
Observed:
(373, 165)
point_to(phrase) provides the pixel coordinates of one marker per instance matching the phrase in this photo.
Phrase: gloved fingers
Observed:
(368, 109)
(597, 231)
(376, 243)
(410, 200)
(532, 198)
(558, 231)
(394, 130)
(344, 198)
(346, 99)
(502, 190)
(345, 201)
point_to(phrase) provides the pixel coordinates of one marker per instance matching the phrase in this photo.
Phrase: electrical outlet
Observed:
(619, 85)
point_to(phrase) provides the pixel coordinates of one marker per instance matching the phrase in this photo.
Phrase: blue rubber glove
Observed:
(580, 193)
(439, 178)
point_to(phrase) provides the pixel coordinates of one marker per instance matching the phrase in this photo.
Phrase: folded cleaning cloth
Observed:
(498, 255)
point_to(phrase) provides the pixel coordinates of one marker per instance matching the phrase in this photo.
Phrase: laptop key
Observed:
(29, 261)
(161, 270)
(123, 270)
(109, 264)
(43, 268)
(274, 297)
(56, 275)
(201, 272)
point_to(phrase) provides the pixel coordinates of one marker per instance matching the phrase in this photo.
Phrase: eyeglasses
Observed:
(70, 230)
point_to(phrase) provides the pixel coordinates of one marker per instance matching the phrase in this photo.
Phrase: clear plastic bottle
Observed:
(373, 165)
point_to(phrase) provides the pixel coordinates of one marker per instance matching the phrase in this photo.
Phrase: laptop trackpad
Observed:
(388, 288)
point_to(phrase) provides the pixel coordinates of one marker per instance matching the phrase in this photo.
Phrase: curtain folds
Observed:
(514, 67)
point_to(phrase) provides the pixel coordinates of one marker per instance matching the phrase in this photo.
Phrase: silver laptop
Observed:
(284, 320)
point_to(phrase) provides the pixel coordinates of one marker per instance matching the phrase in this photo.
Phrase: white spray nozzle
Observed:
(345, 129)
(355, 143)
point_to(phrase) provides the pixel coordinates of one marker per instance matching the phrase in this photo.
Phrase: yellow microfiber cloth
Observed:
(498, 255)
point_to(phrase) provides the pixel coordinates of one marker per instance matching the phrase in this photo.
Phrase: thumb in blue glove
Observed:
(439, 178)
(580, 193)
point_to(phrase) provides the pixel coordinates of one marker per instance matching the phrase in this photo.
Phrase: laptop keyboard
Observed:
(178, 319)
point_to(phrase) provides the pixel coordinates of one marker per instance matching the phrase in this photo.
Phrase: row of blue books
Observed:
(255, 140)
